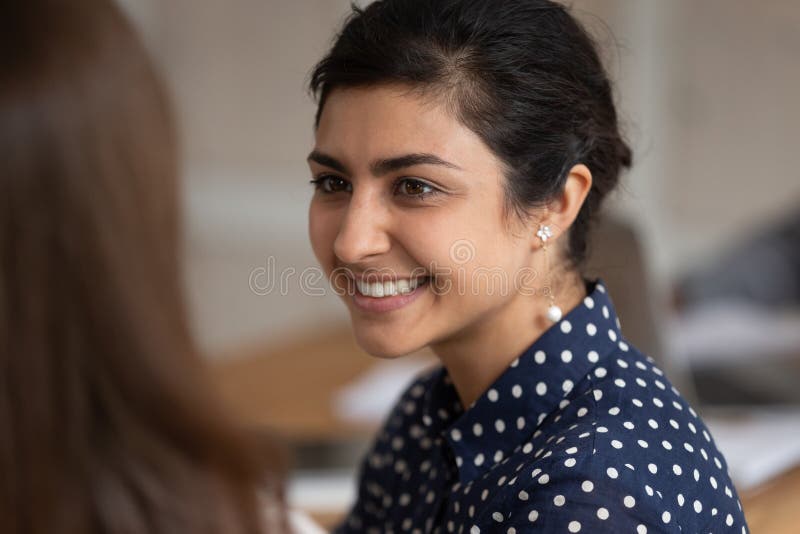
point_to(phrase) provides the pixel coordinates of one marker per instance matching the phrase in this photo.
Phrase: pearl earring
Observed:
(554, 313)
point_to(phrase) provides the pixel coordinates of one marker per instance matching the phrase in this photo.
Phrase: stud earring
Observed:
(554, 313)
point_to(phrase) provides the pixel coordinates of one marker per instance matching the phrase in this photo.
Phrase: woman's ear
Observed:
(563, 209)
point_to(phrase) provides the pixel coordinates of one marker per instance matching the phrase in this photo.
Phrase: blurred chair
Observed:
(616, 256)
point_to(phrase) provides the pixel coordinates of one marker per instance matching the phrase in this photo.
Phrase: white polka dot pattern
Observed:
(582, 433)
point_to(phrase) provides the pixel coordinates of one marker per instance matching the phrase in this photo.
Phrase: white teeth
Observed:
(403, 286)
(387, 289)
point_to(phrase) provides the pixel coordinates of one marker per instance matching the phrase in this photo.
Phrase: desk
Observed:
(286, 389)
(774, 508)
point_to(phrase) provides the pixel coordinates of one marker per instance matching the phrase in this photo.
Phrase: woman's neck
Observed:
(474, 359)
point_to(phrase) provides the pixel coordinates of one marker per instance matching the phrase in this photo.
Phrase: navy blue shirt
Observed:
(582, 433)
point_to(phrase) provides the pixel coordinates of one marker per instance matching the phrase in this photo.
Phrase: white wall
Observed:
(238, 71)
(708, 91)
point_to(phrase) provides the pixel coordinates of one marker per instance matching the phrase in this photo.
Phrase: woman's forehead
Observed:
(388, 121)
(386, 107)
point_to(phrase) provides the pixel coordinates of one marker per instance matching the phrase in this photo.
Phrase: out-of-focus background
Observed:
(701, 245)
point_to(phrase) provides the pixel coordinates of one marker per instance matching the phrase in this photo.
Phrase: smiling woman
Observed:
(406, 194)
(462, 151)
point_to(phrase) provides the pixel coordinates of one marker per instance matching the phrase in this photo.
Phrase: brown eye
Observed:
(331, 184)
(336, 184)
(415, 188)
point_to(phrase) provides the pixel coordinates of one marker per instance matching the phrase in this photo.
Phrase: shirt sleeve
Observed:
(367, 514)
(593, 499)
(376, 477)
(364, 516)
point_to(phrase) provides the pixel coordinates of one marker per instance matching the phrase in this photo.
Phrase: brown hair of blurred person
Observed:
(107, 423)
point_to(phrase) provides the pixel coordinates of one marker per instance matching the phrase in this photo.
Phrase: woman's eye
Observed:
(408, 187)
(331, 184)
(414, 188)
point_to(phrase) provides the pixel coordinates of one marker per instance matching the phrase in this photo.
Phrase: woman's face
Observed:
(407, 196)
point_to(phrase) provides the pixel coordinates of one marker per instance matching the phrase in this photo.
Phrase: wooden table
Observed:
(286, 390)
(774, 508)
(288, 387)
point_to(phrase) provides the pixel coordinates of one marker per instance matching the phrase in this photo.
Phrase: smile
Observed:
(389, 288)
(388, 295)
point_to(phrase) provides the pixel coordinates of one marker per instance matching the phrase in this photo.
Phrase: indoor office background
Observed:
(702, 239)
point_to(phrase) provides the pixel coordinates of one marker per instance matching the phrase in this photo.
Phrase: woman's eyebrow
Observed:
(327, 160)
(384, 166)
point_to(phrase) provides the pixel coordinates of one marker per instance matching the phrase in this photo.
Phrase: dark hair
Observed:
(524, 75)
(107, 421)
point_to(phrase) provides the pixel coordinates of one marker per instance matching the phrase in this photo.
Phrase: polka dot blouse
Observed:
(582, 433)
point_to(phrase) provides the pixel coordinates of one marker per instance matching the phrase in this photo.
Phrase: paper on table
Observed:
(734, 331)
(326, 491)
(369, 398)
(301, 523)
(759, 445)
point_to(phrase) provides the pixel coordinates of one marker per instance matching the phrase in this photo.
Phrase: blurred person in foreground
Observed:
(107, 423)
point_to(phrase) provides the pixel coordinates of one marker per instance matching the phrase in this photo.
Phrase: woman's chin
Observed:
(384, 345)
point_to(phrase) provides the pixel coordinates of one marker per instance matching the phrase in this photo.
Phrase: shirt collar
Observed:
(532, 387)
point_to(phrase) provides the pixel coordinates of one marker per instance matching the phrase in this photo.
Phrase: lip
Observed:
(374, 278)
(387, 304)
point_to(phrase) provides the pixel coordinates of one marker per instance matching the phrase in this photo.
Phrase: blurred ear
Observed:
(564, 208)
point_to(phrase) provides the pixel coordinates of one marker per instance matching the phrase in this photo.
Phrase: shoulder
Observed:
(625, 452)
(659, 442)
(638, 413)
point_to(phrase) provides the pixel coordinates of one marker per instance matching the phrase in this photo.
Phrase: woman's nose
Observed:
(362, 233)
